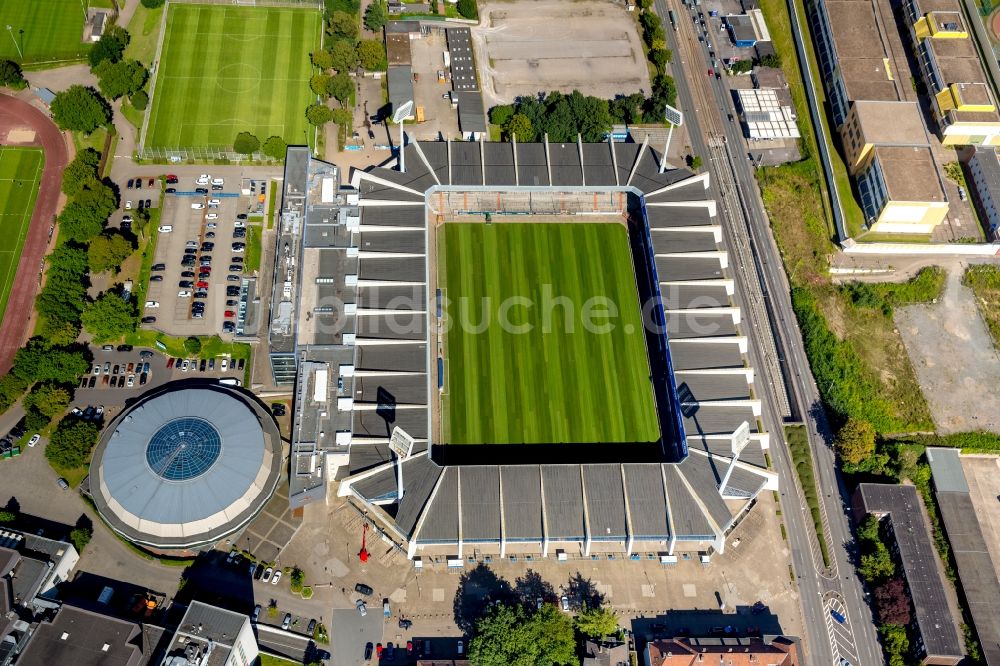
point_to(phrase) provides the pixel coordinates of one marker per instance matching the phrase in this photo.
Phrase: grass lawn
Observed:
(145, 31)
(509, 386)
(254, 240)
(224, 70)
(270, 660)
(44, 29)
(798, 446)
(20, 173)
(272, 200)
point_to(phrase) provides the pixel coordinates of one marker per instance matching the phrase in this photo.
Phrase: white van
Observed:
(165, 228)
(218, 181)
(197, 206)
(202, 179)
(152, 304)
(230, 381)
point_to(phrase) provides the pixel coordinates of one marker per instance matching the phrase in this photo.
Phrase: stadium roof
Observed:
(615, 501)
(185, 466)
(920, 564)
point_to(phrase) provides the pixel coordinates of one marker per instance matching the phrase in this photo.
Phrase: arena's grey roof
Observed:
(217, 491)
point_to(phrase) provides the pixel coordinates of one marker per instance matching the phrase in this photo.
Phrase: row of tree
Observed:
(562, 117)
(344, 55)
(248, 144)
(656, 39)
(11, 75)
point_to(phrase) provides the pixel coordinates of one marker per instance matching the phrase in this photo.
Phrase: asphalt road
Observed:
(721, 146)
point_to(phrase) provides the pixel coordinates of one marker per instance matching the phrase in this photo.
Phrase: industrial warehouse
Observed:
(353, 330)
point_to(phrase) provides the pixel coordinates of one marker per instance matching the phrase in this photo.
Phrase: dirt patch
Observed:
(20, 135)
(532, 47)
(953, 355)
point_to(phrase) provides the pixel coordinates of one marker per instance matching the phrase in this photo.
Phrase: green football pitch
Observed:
(52, 30)
(20, 173)
(561, 381)
(225, 70)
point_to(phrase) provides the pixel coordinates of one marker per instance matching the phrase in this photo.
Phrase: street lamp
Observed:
(401, 114)
(10, 29)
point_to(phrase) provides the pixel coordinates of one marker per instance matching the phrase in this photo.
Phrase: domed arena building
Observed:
(186, 466)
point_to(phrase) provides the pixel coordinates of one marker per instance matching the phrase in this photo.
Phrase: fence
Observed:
(202, 154)
(304, 4)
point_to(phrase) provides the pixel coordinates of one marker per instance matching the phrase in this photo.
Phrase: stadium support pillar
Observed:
(672, 544)
(503, 525)
(586, 516)
(545, 517)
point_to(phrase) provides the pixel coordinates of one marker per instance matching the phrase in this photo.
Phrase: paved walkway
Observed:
(15, 113)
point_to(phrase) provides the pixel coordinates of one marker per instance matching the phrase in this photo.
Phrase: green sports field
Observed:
(547, 385)
(225, 70)
(53, 30)
(20, 173)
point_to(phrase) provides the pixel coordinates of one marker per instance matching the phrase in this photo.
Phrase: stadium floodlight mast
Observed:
(401, 114)
(17, 46)
(401, 444)
(740, 438)
(675, 117)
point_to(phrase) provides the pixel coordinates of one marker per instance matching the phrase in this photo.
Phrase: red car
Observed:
(230, 313)
(409, 647)
(201, 285)
(171, 179)
(378, 650)
(170, 362)
(710, 72)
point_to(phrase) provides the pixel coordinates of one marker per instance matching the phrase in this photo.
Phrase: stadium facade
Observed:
(355, 325)
(185, 466)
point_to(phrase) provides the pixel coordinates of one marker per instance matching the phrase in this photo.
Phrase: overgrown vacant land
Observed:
(561, 381)
(225, 70)
(984, 280)
(52, 30)
(20, 173)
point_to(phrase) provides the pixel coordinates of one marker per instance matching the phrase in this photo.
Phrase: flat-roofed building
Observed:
(984, 170)
(83, 638)
(749, 651)
(963, 104)
(880, 128)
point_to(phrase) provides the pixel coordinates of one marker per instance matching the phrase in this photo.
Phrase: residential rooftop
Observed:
(891, 123)
(83, 638)
(910, 173)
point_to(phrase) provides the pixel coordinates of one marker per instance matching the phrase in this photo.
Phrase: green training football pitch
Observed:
(558, 382)
(53, 30)
(20, 173)
(225, 70)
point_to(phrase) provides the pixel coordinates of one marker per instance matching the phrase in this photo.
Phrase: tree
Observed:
(877, 565)
(37, 362)
(318, 114)
(343, 24)
(109, 317)
(117, 79)
(371, 53)
(509, 636)
(65, 291)
(694, 161)
(596, 622)
(893, 602)
(111, 46)
(499, 115)
(152, 4)
(467, 8)
(321, 59)
(897, 645)
(140, 100)
(644, 4)
(626, 109)
(49, 399)
(71, 443)
(7, 516)
(81, 172)
(12, 387)
(80, 536)
(80, 109)
(741, 66)
(318, 84)
(275, 147)
(59, 332)
(519, 127)
(343, 117)
(340, 87)
(660, 58)
(771, 60)
(82, 223)
(108, 251)
(11, 75)
(343, 56)
(246, 143)
(855, 441)
(376, 16)
(192, 345)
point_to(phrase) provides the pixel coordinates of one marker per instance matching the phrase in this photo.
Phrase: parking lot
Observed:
(427, 59)
(198, 265)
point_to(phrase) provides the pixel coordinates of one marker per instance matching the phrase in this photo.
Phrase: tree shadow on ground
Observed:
(476, 590)
(582, 592)
(530, 587)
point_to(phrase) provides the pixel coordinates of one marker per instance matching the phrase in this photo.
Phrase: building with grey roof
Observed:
(977, 571)
(983, 167)
(31, 567)
(83, 638)
(212, 636)
(185, 466)
(939, 640)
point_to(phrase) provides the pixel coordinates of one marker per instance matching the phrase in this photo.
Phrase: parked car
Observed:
(360, 588)
(287, 622)
(62, 483)
(148, 320)
(266, 577)
(311, 627)
(362, 609)
(34, 439)
(276, 577)
(368, 650)
(255, 614)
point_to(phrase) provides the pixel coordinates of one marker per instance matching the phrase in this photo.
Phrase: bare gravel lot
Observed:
(524, 48)
(953, 356)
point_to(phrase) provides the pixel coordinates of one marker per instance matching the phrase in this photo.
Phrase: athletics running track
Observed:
(17, 114)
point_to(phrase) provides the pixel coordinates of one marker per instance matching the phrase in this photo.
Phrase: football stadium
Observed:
(185, 466)
(509, 349)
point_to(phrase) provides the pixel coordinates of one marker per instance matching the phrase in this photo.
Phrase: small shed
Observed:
(97, 27)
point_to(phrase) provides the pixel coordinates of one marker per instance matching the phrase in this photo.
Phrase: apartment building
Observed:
(885, 145)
